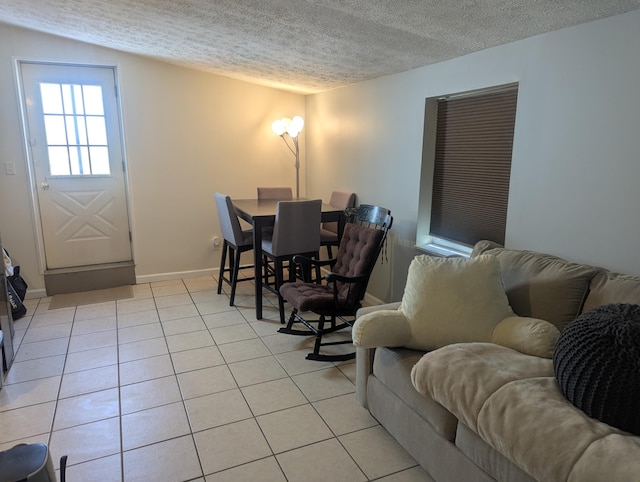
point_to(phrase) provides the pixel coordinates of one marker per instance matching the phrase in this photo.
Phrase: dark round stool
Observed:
(597, 364)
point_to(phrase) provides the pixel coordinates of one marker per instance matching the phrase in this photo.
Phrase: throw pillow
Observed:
(453, 300)
(597, 361)
(530, 336)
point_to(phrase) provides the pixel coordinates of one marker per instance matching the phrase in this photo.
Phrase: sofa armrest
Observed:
(381, 328)
(364, 356)
(364, 368)
(369, 309)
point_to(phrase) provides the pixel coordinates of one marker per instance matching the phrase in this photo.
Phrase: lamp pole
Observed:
(292, 128)
(297, 153)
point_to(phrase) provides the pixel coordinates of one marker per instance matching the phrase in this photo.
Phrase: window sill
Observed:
(443, 251)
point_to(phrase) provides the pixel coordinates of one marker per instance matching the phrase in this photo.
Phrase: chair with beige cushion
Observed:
(296, 231)
(329, 231)
(274, 194)
(236, 242)
(278, 193)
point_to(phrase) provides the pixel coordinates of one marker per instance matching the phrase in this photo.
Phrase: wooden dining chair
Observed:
(279, 193)
(236, 241)
(296, 231)
(329, 231)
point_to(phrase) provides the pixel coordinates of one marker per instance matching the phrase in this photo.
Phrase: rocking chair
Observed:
(337, 300)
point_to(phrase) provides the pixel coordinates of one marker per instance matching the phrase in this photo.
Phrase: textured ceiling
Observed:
(303, 46)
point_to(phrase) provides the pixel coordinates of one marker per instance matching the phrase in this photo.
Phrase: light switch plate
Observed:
(9, 168)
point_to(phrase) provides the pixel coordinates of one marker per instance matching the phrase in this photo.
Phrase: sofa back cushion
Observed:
(541, 285)
(607, 288)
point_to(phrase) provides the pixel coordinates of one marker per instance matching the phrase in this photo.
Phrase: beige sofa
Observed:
(480, 411)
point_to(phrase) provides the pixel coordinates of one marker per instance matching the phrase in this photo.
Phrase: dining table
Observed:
(261, 214)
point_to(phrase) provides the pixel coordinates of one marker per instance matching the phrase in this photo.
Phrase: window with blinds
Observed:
(472, 166)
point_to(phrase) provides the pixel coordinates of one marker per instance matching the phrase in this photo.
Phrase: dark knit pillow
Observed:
(597, 364)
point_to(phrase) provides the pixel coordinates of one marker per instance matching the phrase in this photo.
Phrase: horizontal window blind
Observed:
(474, 140)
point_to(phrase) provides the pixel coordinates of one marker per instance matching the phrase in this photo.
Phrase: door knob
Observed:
(44, 185)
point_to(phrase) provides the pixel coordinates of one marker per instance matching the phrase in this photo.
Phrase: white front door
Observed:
(76, 152)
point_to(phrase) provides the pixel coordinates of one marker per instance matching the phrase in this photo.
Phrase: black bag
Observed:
(16, 290)
(19, 284)
(18, 310)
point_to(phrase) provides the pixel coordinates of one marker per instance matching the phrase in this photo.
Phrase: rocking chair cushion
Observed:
(309, 296)
(357, 251)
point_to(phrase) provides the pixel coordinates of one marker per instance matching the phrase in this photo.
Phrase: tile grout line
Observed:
(175, 373)
(242, 312)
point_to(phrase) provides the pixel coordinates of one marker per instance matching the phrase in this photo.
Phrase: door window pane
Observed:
(99, 160)
(51, 98)
(97, 131)
(55, 130)
(59, 161)
(93, 104)
(79, 160)
(72, 96)
(75, 128)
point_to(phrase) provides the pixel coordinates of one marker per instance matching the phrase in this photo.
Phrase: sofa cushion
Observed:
(452, 300)
(461, 377)
(607, 287)
(597, 364)
(602, 456)
(530, 336)
(512, 401)
(533, 425)
(541, 285)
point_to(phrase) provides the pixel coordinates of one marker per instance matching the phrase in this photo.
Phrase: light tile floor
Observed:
(176, 385)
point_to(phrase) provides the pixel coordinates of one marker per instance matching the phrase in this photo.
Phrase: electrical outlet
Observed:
(215, 243)
(9, 168)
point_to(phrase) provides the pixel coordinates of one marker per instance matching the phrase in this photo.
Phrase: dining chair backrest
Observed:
(341, 200)
(297, 227)
(280, 193)
(229, 222)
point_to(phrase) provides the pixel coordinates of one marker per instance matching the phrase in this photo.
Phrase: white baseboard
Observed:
(42, 293)
(369, 299)
(33, 294)
(151, 278)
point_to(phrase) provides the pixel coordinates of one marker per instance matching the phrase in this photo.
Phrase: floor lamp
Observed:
(291, 127)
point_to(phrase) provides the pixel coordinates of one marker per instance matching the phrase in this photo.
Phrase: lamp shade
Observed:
(290, 126)
(279, 127)
(296, 125)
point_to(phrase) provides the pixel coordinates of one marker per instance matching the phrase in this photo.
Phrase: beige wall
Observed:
(576, 156)
(187, 135)
(574, 185)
